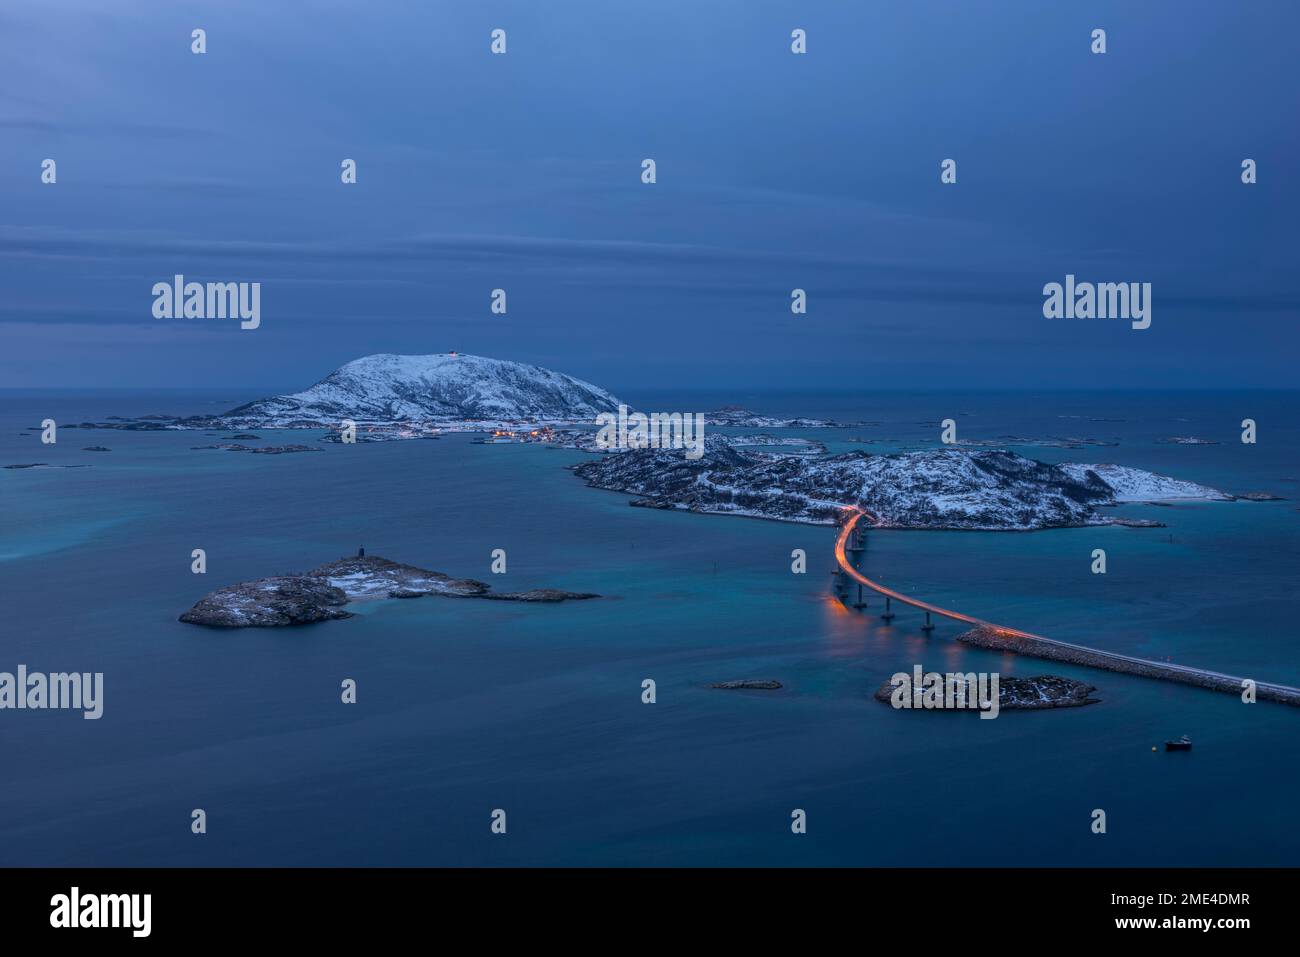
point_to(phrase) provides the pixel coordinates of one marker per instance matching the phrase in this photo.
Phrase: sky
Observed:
(775, 171)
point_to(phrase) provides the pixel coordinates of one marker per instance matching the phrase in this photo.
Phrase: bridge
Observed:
(1000, 637)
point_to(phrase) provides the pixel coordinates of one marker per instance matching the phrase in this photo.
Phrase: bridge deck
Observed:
(1025, 642)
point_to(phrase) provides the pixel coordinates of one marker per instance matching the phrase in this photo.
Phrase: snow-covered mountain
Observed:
(941, 488)
(447, 386)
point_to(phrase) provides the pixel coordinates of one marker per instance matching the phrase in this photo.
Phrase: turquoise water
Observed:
(469, 706)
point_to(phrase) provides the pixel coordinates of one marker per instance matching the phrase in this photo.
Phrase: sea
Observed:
(468, 708)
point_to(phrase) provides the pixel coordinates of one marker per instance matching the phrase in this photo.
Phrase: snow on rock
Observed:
(952, 488)
(373, 577)
(734, 415)
(1029, 694)
(1137, 485)
(269, 603)
(321, 594)
(396, 388)
(940, 488)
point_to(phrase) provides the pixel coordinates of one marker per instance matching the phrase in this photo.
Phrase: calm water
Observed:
(468, 706)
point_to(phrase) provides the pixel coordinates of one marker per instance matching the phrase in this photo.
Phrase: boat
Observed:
(1182, 744)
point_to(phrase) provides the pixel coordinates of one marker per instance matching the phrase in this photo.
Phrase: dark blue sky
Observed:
(775, 171)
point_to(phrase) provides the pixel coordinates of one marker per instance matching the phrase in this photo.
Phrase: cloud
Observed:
(659, 270)
(80, 129)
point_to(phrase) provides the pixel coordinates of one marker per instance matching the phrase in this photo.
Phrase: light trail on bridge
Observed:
(1286, 692)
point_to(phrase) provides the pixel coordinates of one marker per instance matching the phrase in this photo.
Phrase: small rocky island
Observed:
(322, 593)
(1027, 694)
(257, 450)
(42, 465)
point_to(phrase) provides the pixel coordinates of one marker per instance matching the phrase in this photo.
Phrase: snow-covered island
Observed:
(322, 593)
(418, 396)
(585, 440)
(949, 488)
(970, 486)
(445, 387)
(736, 416)
(1025, 694)
(400, 396)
